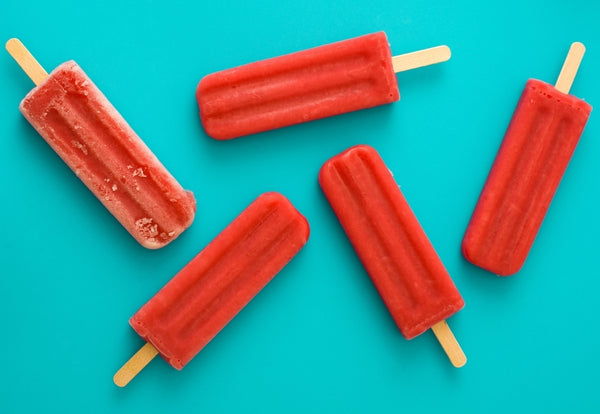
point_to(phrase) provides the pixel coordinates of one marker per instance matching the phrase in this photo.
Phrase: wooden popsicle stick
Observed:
(135, 364)
(26, 60)
(570, 67)
(452, 348)
(420, 58)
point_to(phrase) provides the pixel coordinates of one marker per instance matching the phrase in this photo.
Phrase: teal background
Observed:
(318, 338)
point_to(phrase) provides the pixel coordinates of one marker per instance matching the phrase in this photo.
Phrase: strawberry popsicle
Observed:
(394, 249)
(210, 290)
(316, 83)
(530, 163)
(92, 138)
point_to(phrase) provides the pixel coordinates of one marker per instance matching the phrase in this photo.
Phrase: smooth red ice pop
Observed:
(538, 145)
(211, 289)
(392, 246)
(94, 140)
(316, 83)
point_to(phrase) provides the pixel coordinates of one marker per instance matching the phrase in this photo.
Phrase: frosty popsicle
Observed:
(530, 163)
(92, 138)
(392, 246)
(316, 83)
(210, 290)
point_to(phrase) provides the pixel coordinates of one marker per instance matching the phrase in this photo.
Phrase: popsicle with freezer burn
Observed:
(92, 138)
(316, 83)
(391, 244)
(538, 145)
(210, 290)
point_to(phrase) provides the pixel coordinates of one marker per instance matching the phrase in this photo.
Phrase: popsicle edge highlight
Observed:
(25, 59)
(135, 364)
(570, 67)
(421, 58)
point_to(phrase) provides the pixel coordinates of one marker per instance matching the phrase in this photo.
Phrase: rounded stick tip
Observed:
(445, 53)
(578, 46)
(26, 60)
(570, 67)
(11, 43)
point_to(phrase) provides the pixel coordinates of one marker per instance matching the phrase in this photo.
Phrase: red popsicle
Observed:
(94, 140)
(210, 290)
(538, 145)
(392, 246)
(316, 83)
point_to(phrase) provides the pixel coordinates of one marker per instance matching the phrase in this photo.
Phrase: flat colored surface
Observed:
(318, 338)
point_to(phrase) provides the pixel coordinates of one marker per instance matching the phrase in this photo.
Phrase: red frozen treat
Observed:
(94, 140)
(316, 83)
(538, 145)
(211, 289)
(389, 240)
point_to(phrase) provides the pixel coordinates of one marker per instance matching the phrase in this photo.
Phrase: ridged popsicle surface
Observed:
(211, 289)
(537, 147)
(388, 239)
(94, 140)
(324, 81)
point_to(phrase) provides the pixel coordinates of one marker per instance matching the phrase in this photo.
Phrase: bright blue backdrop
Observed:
(318, 338)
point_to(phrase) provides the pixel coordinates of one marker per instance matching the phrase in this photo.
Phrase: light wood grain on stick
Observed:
(25, 59)
(135, 364)
(421, 58)
(570, 67)
(452, 348)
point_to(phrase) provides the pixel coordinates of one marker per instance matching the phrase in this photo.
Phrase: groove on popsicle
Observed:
(353, 192)
(84, 131)
(295, 109)
(229, 294)
(212, 267)
(291, 110)
(398, 271)
(506, 222)
(364, 169)
(570, 67)
(362, 201)
(532, 161)
(202, 296)
(238, 88)
(25, 59)
(300, 87)
(537, 182)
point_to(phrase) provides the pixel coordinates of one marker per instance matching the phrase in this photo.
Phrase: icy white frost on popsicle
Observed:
(88, 133)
